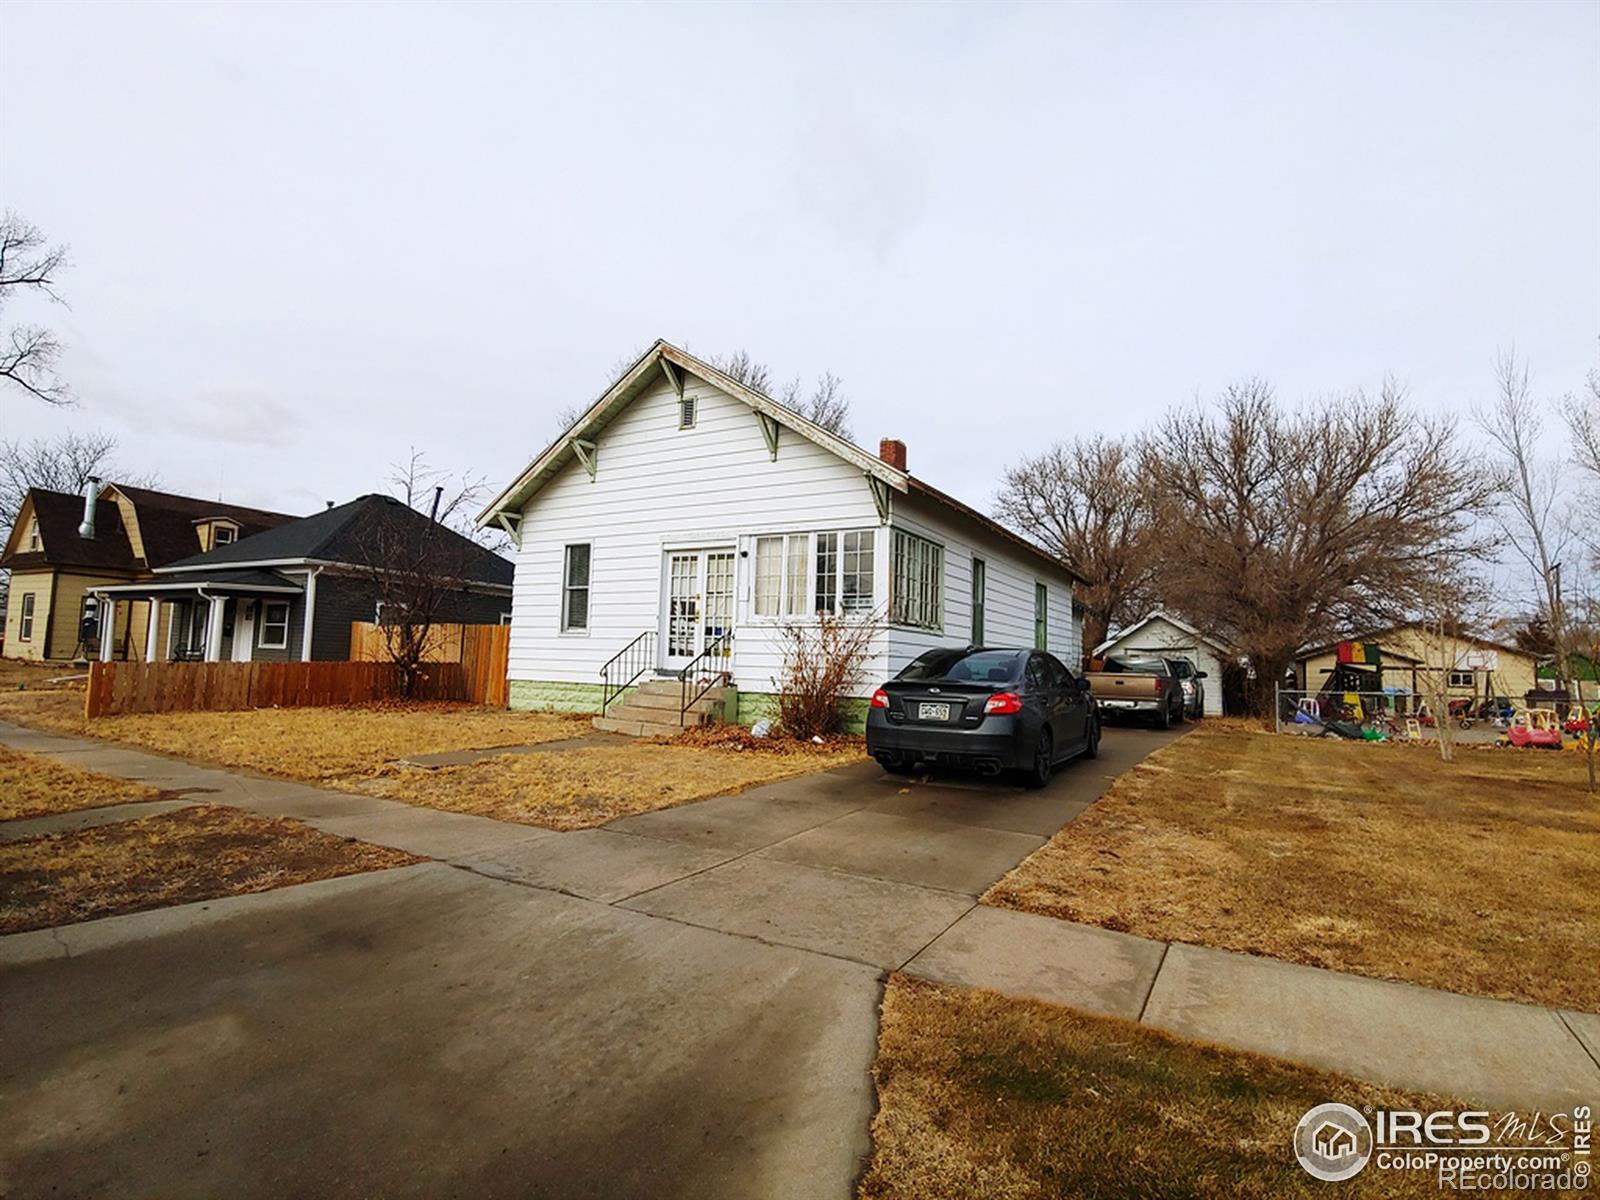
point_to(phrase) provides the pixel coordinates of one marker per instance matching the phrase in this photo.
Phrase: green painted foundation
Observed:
(545, 695)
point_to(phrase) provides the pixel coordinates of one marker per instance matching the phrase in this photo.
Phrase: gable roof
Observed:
(59, 514)
(665, 359)
(338, 535)
(1162, 615)
(166, 521)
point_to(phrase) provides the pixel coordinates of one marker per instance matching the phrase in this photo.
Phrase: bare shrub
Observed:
(823, 663)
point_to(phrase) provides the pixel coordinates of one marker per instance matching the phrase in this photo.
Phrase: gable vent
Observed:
(686, 412)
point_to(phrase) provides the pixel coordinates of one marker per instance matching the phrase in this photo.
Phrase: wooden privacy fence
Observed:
(482, 650)
(135, 687)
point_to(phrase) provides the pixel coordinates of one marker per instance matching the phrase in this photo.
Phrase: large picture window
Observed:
(575, 588)
(917, 582)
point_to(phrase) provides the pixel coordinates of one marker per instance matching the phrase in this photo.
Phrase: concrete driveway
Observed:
(681, 1004)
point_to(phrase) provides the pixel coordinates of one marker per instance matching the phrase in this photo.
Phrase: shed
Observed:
(1161, 635)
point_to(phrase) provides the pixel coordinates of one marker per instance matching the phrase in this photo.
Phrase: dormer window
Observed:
(686, 412)
(33, 540)
(224, 535)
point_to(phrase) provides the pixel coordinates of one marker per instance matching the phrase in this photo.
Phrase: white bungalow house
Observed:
(684, 520)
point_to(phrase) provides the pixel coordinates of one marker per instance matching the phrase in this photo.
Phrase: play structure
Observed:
(1534, 728)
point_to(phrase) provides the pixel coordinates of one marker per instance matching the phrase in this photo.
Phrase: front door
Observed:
(698, 604)
(244, 629)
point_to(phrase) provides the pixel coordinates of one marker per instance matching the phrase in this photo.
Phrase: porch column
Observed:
(150, 640)
(214, 629)
(108, 628)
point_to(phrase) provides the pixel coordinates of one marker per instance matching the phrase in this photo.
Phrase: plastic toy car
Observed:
(1537, 728)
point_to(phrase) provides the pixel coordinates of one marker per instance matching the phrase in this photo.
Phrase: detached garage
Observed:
(1163, 636)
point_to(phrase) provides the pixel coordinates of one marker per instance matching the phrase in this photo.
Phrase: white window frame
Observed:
(1466, 679)
(218, 530)
(838, 553)
(267, 623)
(35, 541)
(25, 621)
(795, 590)
(1041, 615)
(980, 598)
(923, 570)
(564, 613)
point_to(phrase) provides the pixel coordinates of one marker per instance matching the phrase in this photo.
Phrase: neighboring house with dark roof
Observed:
(290, 593)
(1407, 654)
(685, 520)
(63, 546)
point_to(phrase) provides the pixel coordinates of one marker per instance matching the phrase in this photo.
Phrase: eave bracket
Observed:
(512, 524)
(769, 433)
(587, 453)
(880, 497)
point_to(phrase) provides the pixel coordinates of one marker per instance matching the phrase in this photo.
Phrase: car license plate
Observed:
(933, 712)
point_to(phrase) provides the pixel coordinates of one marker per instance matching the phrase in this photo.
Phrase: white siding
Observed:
(1159, 638)
(1010, 577)
(659, 487)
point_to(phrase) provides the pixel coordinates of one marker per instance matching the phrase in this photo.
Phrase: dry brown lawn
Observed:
(987, 1097)
(302, 743)
(1477, 876)
(588, 786)
(35, 785)
(188, 854)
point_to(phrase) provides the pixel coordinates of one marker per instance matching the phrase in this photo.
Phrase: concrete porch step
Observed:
(635, 728)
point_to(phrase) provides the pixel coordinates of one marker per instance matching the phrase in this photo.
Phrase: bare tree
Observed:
(29, 353)
(1528, 510)
(825, 404)
(450, 499)
(60, 464)
(1583, 420)
(1278, 529)
(1083, 500)
(1583, 629)
(417, 568)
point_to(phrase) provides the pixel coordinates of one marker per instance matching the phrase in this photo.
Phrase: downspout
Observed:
(205, 650)
(308, 617)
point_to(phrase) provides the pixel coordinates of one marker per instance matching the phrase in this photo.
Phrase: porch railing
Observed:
(625, 666)
(691, 685)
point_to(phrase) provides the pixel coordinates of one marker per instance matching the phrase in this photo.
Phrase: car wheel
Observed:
(1044, 760)
(1165, 720)
(1092, 749)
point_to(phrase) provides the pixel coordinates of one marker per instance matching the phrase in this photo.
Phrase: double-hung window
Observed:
(781, 574)
(916, 594)
(844, 571)
(1041, 616)
(575, 588)
(25, 632)
(274, 625)
(980, 584)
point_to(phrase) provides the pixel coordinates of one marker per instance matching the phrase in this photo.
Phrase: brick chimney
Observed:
(893, 452)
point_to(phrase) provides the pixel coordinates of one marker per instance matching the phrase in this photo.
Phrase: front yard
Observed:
(588, 786)
(1476, 876)
(355, 749)
(32, 785)
(176, 857)
(986, 1097)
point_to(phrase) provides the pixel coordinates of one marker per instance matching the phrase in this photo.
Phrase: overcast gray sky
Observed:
(306, 237)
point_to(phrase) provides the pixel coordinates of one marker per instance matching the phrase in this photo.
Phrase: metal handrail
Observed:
(721, 647)
(626, 665)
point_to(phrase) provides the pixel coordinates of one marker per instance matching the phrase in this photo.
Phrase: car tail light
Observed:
(880, 699)
(1161, 685)
(1003, 702)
